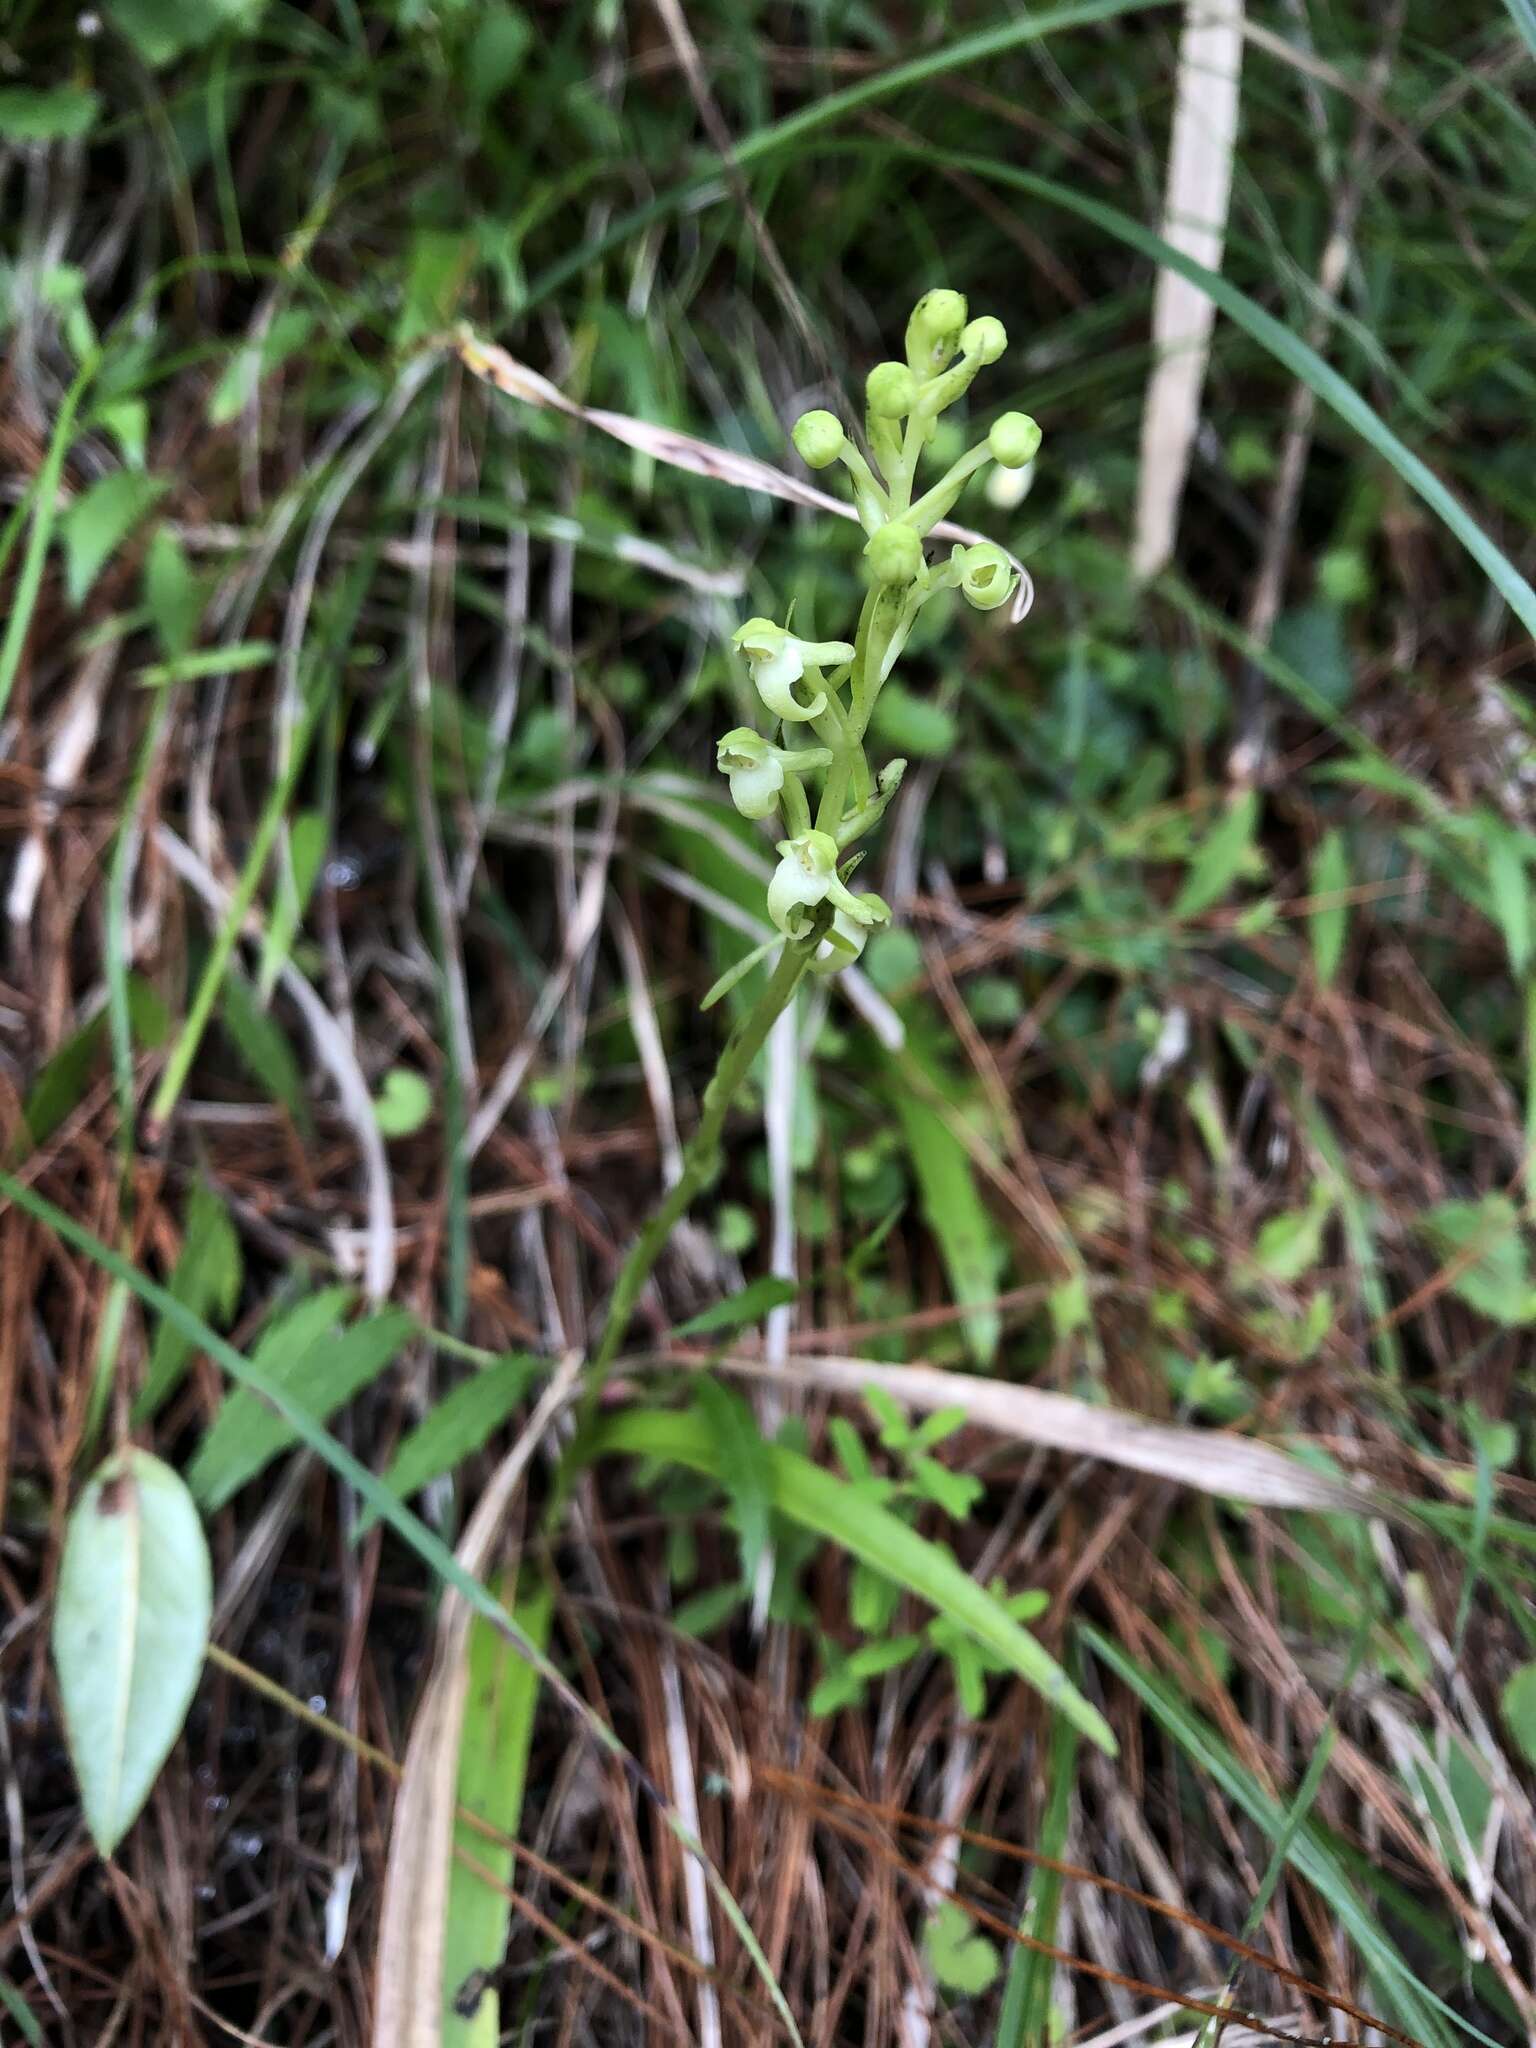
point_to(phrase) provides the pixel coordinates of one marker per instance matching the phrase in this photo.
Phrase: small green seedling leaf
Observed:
(173, 593)
(99, 521)
(1291, 1243)
(963, 1961)
(404, 1103)
(756, 1300)
(130, 1630)
(743, 1466)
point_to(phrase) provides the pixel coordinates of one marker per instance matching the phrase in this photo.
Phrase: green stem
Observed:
(699, 1160)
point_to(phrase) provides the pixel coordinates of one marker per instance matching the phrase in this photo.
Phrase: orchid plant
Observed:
(818, 697)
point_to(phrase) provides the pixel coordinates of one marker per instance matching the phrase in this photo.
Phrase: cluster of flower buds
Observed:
(830, 686)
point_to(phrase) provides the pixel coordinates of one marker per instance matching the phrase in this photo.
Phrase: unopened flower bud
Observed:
(819, 438)
(933, 332)
(984, 337)
(894, 554)
(1014, 440)
(890, 391)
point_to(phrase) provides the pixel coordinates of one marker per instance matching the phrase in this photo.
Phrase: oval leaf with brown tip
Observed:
(130, 1630)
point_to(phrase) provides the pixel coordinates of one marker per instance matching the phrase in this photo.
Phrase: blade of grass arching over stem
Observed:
(1422, 2011)
(45, 499)
(783, 134)
(429, 1547)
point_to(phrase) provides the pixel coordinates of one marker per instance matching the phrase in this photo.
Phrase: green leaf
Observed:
(1291, 1243)
(1510, 891)
(756, 1299)
(173, 592)
(207, 661)
(968, 1242)
(910, 724)
(263, 1046)
(963, 1961)
(22, 2014)
(723, 984)
(253, 360)
(1329, 919)
(61, 1086)
(1496, 1281)
(99, 521)
(829, 1507)
(1517, 1703)
(502, 39)
(163, 30)
(1222, 856)
(308, 833)
(62, 113)
(742, 1465)
(130, 1630)
(495, 1737)
(455, 1427)
(207, 1280)
(1311, 641)
(304, 1355)
(404, 1103)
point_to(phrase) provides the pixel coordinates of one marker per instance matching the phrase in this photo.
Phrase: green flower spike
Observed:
(807, 875)
(777, 660)
(757, 767)
(986, 575)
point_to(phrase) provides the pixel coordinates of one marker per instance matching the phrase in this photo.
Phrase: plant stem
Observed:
(699, 1159)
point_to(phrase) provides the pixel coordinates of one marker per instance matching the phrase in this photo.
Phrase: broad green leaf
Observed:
(99, 521)
(319, 1366)
(755, 1300)
(207, 1280)
(1495, 1278)
(1222, 856)
(60, 113)
(1311, 641)
(962, 1960)
(404, 1103)
(455, 1427)
(1329, 918)
(495, 1736)
(1291, 1243)
(502, 39)
(967, 1238)
(830, 1508)
(130, 1630)
(1517, 1703)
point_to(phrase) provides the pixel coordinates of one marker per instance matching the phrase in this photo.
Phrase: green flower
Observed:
(777, 660)
(984, 337)
(845, 939)
(986, 575)
(756, 768)
(806, 876)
